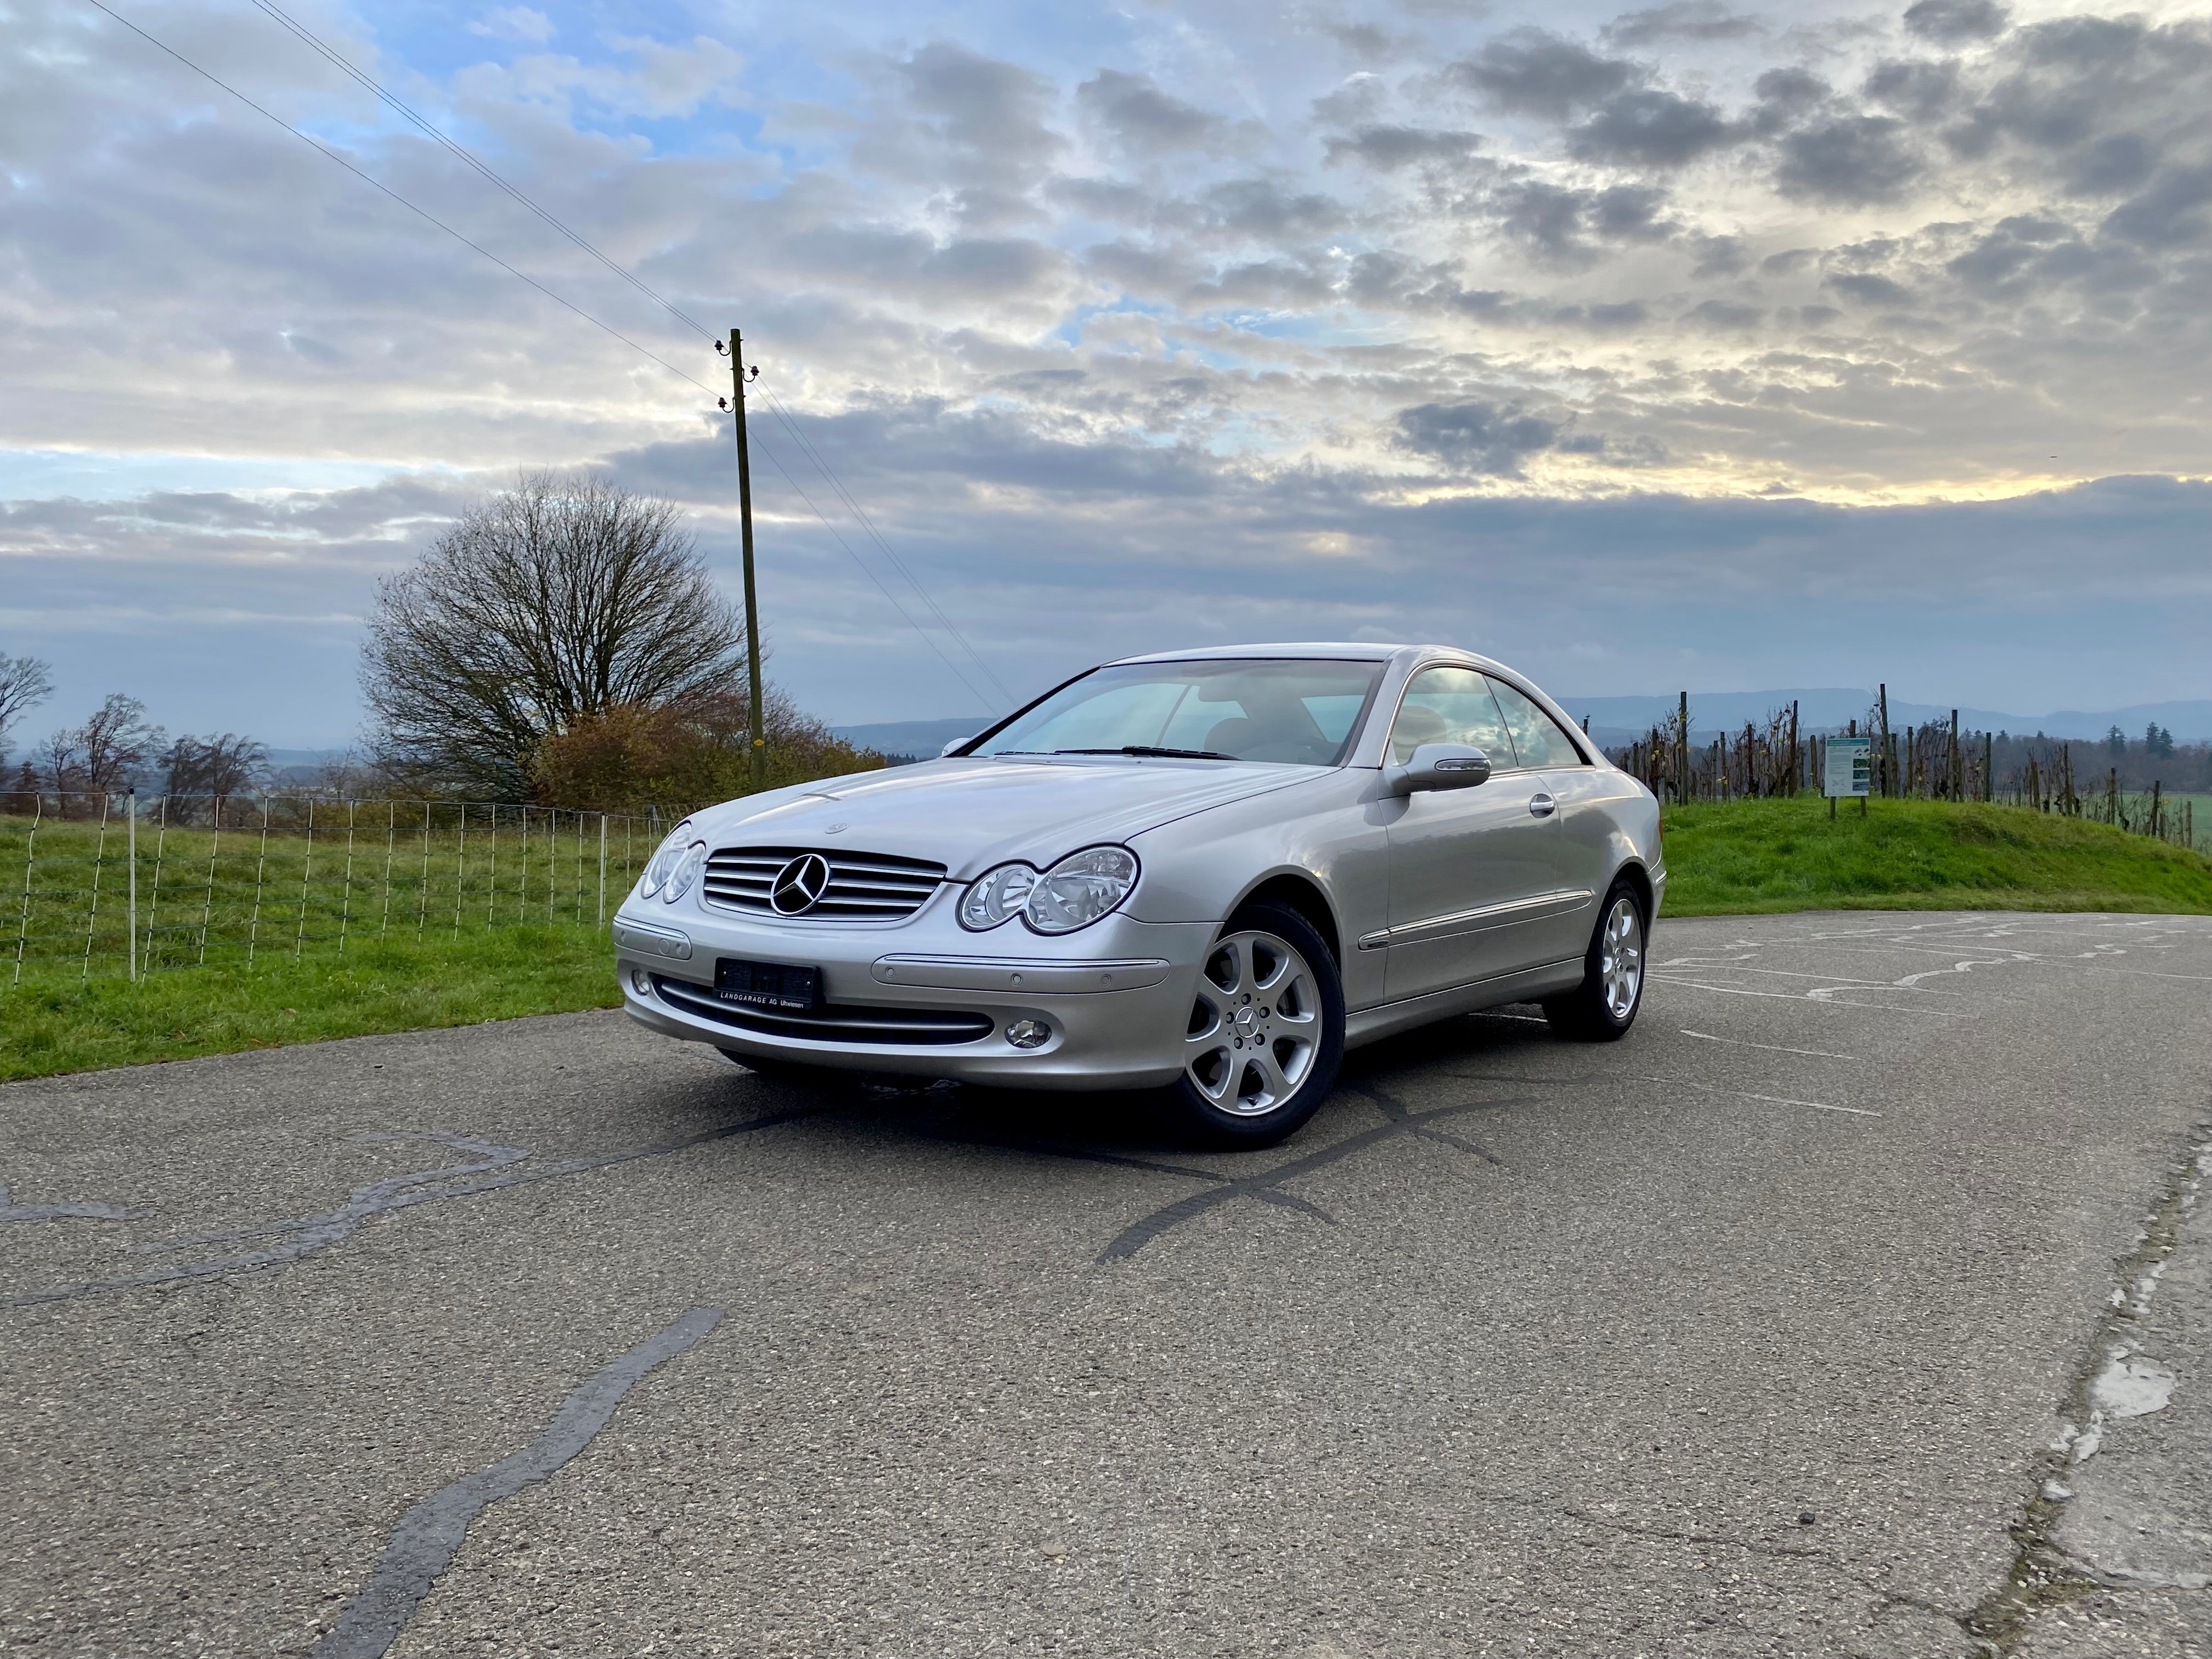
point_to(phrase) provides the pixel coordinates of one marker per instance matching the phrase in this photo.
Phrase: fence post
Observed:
(260, 869)
(99, 868)
(602, 870)
(130, 854)
(30, 856)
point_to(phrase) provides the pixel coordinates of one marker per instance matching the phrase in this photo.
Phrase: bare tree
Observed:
(117, 743)
(551, 602)
(25, 681)
(220, 763)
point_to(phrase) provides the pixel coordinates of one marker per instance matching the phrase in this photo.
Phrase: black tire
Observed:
(1270, 1071)
(1591, 1012)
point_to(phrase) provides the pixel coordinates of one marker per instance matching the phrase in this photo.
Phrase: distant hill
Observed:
(921, 739)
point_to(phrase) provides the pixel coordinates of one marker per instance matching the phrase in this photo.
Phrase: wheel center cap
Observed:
(1246, 1022)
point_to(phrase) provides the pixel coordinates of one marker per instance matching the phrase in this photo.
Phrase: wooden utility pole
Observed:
(1888, 761)
(745, 533)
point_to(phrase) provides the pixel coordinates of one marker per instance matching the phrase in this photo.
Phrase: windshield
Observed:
(1294, 711)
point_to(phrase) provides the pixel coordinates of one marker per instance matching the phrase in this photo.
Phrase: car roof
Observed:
(1338, 650)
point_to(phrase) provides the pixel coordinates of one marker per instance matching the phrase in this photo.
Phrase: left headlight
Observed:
(686, 872)
(1074, 893)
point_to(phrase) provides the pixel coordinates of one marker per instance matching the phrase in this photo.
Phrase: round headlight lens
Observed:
(1080, 889)
(995, 897)
(666, 857)
(687, 866)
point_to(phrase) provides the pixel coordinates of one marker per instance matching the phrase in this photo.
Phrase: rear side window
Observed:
(1449, 705)
(1537, 735)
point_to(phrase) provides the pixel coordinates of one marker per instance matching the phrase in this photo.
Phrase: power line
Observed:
(431, 129)
(845, 495)
(278, 14)
(281, 16)
(367, 179)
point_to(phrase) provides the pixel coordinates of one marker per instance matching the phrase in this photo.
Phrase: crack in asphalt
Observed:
(429, 1534)
(11, 1211)
(298, 1237)
(1399, 1119)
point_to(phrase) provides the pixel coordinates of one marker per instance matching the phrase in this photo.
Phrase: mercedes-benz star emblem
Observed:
(799, 885)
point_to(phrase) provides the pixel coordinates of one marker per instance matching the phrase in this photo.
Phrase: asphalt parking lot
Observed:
(1781, 1327)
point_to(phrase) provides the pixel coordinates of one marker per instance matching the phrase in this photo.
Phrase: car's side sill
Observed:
(1533, 909)
(1523, 985)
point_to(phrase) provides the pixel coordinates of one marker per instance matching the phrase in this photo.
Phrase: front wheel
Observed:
(1266, 1032)
(1603, 1006)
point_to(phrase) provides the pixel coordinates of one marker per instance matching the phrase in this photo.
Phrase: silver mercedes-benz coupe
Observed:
(1209, 870)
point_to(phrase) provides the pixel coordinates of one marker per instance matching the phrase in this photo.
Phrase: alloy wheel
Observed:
(1256, 1025)
(1620, 956)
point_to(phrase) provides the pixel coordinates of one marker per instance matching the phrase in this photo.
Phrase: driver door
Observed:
(1468, 867)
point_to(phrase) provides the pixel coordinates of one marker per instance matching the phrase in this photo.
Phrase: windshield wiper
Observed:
(1149, 751)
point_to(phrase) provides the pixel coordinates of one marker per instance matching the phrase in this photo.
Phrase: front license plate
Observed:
(767, 985)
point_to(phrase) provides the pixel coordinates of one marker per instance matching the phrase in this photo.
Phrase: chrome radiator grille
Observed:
(861, 886)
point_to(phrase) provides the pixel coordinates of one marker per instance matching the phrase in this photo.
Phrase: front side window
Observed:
(1289, 711)
(1449, 705)
(1537, 735)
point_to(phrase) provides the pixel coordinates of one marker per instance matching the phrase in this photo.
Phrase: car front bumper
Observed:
(1116, 996)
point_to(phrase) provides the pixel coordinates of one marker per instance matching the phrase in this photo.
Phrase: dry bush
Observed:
(680, 756)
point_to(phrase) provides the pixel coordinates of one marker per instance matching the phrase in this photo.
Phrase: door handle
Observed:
(1541, 806)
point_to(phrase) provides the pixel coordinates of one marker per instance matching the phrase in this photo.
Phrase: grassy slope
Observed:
(1771, 855)
(54, 1021)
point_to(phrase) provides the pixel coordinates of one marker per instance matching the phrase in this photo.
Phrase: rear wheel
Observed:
(1266, 1032)
(1603, 1006)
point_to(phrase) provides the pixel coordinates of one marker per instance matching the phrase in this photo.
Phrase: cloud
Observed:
(1390, 147)
(1531, 71)
(1951, 22)
(1856, 159)
(1144, 117)
(1477, 437)
(1651, 126)
(1681, 20)
(514, 23)
(1021, 306)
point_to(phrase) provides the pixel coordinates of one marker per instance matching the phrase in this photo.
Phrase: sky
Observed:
(1693, 345)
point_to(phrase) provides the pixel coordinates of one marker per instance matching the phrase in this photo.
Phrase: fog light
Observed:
(1028, 1033)
(639, 984)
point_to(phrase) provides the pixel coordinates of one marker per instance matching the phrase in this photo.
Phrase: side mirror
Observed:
(952, 746)
(1440, 766)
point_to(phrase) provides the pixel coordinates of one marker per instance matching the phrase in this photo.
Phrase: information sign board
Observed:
(1849, 767)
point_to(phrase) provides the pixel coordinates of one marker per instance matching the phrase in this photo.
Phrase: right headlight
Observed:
(662, 865)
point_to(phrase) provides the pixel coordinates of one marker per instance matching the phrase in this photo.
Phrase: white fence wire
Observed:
(124, 884)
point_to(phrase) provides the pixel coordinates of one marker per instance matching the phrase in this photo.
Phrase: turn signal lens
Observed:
(996, 896)
(662, 865)
(687, 870)
(1080, 889)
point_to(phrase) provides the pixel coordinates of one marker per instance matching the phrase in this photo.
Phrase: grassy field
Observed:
(56, 1022)
(72, 1015)
(1736, 857)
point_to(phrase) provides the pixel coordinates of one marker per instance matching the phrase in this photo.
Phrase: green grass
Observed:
(246, 892)
(1738, 857)
(56, 1022)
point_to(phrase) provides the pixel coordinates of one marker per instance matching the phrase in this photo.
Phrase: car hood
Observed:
(969, 814)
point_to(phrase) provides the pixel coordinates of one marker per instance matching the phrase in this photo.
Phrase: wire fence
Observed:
(121, 884)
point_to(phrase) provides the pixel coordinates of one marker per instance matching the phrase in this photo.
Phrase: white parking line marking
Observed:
(1777, 1100)
(1818, 995)
(1769, 1100)
(1771, 1048)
